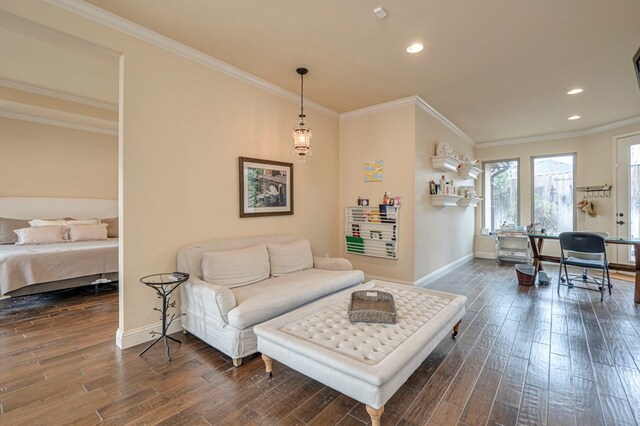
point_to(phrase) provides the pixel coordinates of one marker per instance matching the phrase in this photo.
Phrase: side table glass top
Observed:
(165, 278)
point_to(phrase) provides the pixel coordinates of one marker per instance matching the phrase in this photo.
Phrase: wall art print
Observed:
(266, 187)
(373, 171)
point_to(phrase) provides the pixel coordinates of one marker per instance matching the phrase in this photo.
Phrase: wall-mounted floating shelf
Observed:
(445, 163)
(445, 200)
(469, 171)
(469, 202)
(372, 231)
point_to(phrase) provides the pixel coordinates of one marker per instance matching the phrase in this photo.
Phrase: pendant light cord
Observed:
(301, 98)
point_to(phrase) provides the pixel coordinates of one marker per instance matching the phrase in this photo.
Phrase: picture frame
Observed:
(266, 187)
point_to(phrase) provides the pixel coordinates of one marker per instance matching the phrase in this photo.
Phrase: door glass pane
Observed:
(500, 194)
(634, 193)
(553, 185)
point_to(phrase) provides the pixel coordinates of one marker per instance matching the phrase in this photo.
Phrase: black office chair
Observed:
(584, 276)
(588, 243)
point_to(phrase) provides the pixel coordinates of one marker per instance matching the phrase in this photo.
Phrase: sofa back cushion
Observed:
(235, 268)
(190, 257)
(290, 257)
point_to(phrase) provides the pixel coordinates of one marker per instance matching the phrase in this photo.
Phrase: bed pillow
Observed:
(290, 257)
(90, 232)
(46, 222)
(82, 222)
(7, 226)
(235, 268)
(40, 235)
(112, 228)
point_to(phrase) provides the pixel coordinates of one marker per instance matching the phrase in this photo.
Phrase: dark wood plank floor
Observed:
(524, 356)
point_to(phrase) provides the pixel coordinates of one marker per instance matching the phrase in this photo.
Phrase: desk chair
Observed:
(584, 243)
(590, 256)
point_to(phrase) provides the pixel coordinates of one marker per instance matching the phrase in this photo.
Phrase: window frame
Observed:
(484, 186)
(533, 184)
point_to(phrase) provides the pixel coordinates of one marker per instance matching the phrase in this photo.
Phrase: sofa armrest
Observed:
(222, 296)
(332, 263)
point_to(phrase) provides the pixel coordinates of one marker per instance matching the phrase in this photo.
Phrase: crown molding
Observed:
(385, 106)
(10, 84)
(57, 122)
(562, 135)
(142, 33)
(410, 100)
(58, 38)
(444, 120)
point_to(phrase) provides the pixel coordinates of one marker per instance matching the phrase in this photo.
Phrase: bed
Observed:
(31, 269)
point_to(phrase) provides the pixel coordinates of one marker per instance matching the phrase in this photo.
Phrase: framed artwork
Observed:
(266, 187)
(373, 171)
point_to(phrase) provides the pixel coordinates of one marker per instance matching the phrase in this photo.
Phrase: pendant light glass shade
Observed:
(301, 133)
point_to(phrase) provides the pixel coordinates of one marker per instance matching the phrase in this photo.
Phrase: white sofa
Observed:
(224, 316)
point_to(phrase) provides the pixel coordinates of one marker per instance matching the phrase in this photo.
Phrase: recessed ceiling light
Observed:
(380, 12)
(415, 48)
(573, 117)
(575, 91)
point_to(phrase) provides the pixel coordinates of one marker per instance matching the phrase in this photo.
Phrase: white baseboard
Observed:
(139, 335)
(429, 278)
(485, 255)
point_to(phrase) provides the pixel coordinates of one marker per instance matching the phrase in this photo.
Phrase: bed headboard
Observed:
(54, 208)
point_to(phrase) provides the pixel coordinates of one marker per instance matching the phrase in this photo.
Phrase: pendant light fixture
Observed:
(301, 133)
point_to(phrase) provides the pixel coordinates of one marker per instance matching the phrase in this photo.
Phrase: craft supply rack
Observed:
(372, 232)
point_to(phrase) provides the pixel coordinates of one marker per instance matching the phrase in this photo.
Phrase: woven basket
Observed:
(372, 306)
(526, 274)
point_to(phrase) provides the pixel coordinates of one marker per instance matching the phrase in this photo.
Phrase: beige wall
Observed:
(38, 160)
(595, 166)
(388, 136)
(430, 237)
(442, 234)
(183, 126)
(44, 59)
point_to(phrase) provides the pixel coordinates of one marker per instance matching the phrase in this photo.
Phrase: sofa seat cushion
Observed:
(267, 299)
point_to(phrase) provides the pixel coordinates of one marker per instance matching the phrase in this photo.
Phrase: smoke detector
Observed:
(380, 12)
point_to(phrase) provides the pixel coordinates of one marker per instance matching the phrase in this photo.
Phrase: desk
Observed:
(537, 244)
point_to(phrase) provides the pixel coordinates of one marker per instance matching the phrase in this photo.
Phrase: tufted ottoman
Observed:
(368, 362)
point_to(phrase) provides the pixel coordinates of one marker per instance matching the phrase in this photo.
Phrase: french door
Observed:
(627, 214)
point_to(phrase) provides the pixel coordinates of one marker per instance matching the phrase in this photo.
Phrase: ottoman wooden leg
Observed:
(455, 329)
(375, 414)
(268, 364)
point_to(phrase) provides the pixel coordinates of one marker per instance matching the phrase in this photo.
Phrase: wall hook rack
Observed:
(601, 191)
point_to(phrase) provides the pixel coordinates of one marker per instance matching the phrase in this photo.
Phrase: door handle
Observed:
(620, 222)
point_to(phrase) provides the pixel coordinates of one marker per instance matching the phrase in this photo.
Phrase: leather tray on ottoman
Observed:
(368, 362)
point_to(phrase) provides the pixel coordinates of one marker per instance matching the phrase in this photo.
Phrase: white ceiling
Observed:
(498, 69)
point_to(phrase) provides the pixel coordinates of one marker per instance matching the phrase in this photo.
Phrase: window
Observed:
(553, 192)
(501, 193)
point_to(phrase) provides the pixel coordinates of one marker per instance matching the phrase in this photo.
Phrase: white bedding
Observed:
(21, 266)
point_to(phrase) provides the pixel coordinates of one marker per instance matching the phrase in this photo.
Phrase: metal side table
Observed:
(164, 285)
